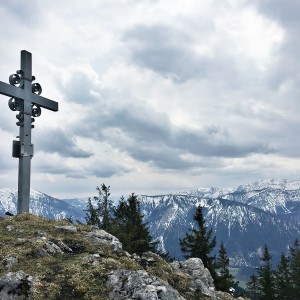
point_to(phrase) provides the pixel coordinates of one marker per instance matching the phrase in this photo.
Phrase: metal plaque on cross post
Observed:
(25, 98)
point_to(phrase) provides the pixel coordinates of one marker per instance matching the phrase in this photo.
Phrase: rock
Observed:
(200, 276)
(64, 247)
(10, 262)
(125, 284)
(48, 249)
(225, 296)
(92, 259)
(100, 236)
(16, 286)
(22, 240)
(42, 233)
(10, 227)
(147, 259)
(67, 228)
(127, 254)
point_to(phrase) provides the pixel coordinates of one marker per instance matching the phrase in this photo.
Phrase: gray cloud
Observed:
(108, 170)
(78, 169)
(148, 135)
(79, 87)
(239, 103)
(60, 142)
(171, 53)
(163, 50)
(19, 9)
(287, 16)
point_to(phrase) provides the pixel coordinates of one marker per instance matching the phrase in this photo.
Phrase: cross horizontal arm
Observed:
(12, 91)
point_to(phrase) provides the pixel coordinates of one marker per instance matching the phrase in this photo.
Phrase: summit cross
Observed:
(26, 99)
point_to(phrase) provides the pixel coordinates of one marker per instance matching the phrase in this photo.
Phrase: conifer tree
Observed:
(281, 284)
(295, 269)
(200, 242)
(252, 287)
(92, 214)
(129, 227)
(101, 215)
(225, 280)
(266, 286)
(283, 279)
(105, 206)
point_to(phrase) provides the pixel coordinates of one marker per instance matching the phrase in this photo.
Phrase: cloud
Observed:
(61, 142)
(147, 135)
(153, 91)
(163, 50)
(79, 168)
(18, 9)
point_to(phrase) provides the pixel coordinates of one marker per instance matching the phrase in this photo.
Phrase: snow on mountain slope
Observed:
(278, 197)
(40, 204)
(245, 218)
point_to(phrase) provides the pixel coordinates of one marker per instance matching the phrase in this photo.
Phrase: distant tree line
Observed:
(126, 223)
(281, 283)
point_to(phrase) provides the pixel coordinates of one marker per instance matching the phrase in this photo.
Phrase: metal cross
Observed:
(25, 98)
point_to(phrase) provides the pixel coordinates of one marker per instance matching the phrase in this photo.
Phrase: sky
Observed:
(155, 96)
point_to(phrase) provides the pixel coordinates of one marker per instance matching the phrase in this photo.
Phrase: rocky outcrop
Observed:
(81, 262)
(125, 284)
(16, 286)
(99, 236)
(200, 277)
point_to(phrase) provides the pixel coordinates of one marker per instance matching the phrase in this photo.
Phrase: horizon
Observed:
(115, 196)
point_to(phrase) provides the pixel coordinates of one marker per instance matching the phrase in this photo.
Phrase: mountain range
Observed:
(43, 205)
(245, 218)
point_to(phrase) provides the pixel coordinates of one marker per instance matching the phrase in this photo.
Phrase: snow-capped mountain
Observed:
(245, 218)
(42, 205)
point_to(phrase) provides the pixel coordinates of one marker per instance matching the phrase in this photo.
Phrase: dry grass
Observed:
(77, 275)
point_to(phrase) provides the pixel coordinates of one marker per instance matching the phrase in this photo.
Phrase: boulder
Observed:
(48, 249)
(200, 276)
(10, 262)
(125, 284)
(100, 236)
(16, 286)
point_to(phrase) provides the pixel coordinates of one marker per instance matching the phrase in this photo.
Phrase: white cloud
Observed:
(155, 95)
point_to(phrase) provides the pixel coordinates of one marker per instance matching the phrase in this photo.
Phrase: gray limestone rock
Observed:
(125, 284)
(92, 259)
(10, 227)
(100, 236)
(200, 276)
(16, 286)
(67, 228)
(10, 262)
(48, 249)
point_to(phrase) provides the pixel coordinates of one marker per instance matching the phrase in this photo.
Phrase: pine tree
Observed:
(266, 277)
(225, 280)
(129, 227)
(101, 216)
(252, 287)
(200, 243)
(295, 270)
(283, 279)
(105, 206)
(92, 214)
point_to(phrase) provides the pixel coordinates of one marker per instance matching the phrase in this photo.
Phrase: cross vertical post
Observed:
(25, 98)
(25, 138)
